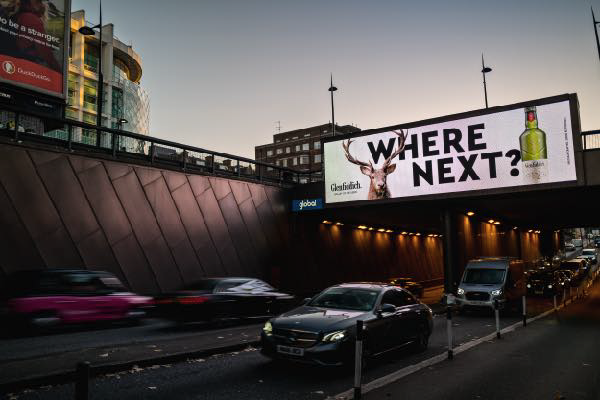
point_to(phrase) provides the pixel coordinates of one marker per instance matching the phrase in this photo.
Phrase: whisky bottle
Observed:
(534, 157)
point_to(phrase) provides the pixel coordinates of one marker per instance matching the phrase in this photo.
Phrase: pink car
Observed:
(45, 298)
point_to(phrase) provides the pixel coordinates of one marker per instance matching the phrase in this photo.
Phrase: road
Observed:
(555, 358)
(247, 374)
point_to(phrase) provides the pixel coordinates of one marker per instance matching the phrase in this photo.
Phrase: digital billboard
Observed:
(523, 146)
(33, 44)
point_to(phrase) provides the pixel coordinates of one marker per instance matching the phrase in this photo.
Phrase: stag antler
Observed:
(346, 146)
(401, 144)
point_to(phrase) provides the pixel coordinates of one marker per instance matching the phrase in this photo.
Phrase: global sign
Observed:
(307, 204)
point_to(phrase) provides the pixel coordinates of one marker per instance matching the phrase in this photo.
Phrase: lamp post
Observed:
(88, 31)
(484, 70)
(331, 90)
(120, 123)
(596, 31)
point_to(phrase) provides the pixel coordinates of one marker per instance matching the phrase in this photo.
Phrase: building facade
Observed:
(300, 149)
(125, 103)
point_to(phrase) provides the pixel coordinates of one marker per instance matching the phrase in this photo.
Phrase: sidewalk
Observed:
(56, 368)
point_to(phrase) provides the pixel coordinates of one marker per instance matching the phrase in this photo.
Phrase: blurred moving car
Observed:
(323, 330)
(565, 277)
(578, 268)
(409, 284)
(45, 298)
(218, 298)
(543, 283)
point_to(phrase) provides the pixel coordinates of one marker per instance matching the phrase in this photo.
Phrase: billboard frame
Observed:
(577, 150)
(66, 45)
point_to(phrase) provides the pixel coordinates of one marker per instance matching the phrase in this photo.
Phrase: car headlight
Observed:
(496, 292)
(334, 336)
(460, 291)
(549, 286)
(268, 328)
(528, 286)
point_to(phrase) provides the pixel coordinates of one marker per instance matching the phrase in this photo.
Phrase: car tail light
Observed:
(193, 300)
(163, 301)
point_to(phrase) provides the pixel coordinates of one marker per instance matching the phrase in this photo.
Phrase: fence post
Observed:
(115, 139)
(524, 310)
(449, 329)
(564, 297)
(70, 136)
(82, 380)
(17, 118)
(497, 312)
(555, 309)
(358, 360)
(152, 153)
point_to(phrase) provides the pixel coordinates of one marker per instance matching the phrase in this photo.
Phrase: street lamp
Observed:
(120, 123)
(89, 31)
(596, 32)
(484, 70)
(331, 90)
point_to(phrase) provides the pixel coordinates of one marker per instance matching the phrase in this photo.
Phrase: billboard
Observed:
(34, 43)
(526, 145)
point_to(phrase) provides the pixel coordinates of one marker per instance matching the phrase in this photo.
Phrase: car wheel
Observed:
(422, 340)
(44, 320)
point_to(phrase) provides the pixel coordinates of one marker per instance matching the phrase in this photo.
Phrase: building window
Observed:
(288, 149)
(90, 91)
(305, 146)
(279, 151)
(295, 161)
(284, 162)
(269, 153)
(317, 145)
(90, 57)
(295, 137)
(307, 135)
(297, 148)
(317, 158)
(303, 180)
(304, 160)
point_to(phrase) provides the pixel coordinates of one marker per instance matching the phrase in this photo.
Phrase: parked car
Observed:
(218, 298)
(569, 246)
(597, 241)
(409, 284)
(564, 278)
(323, 330)
(486, 280)
(577, 242)
(578, 268)
(45, 298)
(543, 283)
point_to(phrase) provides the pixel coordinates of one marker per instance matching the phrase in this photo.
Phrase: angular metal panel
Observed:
(220, 187)
(194, 224)
(97, 254)
(240, 191)
(239, 235)
(147, 175)
(218, 231)
(199, 184)
(135, 265)
(174, 179)
(259, 196)
(35, 209)
(146, 230)
(255, 229)
(172, 229)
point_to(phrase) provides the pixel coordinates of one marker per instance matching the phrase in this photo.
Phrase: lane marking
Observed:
(401, 373)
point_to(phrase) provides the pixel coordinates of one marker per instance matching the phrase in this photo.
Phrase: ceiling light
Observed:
(389, 231)
(418, 234)
(491, 221)
(370, 229)
(497, 223)
(339, 223)
(470, 213)
(326, 222)
(362, 227)
(404, 232)
(380, 230)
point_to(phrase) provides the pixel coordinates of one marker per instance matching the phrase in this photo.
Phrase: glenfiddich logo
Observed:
(8, 67)
(335, 187)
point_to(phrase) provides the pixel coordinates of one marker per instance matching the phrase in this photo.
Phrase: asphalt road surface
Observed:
(248, 375)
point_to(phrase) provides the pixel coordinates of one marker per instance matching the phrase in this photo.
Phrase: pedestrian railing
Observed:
(590, 140)
(21, 125)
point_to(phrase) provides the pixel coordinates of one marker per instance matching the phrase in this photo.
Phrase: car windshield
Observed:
(541, 275)
(484, 276)
(346, 299)
(589, 253)
(573, 266)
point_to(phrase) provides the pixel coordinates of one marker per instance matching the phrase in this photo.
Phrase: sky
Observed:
(220, 74)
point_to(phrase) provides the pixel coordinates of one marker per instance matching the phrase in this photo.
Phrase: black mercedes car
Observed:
(323, 330)
(544, 282)
(217, 298)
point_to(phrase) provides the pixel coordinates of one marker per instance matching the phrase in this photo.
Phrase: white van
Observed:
(493, 278)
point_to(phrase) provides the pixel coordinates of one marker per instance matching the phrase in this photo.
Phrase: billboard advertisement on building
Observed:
(527, 145)
(33, 44)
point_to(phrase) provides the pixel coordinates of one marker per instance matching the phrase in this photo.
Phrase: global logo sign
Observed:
(8, 67)
(307, 204)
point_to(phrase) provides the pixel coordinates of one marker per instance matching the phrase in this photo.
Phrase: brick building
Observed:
(300, 149)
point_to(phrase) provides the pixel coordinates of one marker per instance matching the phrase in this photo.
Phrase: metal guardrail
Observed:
(21, 125)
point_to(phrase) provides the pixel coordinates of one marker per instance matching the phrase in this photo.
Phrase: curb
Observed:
(97, 370)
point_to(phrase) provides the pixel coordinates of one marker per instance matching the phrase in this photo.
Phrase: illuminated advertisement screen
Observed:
(517, 147)
(33, 43)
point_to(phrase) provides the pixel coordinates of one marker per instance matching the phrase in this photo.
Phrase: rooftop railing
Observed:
(23, 126)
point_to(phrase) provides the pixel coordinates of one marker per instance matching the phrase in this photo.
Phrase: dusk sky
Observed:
(221, 73)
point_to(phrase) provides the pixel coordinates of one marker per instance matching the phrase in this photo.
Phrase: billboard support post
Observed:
(449, 233)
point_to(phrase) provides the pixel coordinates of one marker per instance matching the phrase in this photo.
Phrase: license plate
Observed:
(478, 303)
(293, 351)
(539, 292)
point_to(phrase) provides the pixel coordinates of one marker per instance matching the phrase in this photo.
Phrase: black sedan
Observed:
(544, 282)
(323, 330)
(218, 298)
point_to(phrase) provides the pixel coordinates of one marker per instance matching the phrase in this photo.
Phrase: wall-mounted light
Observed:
(491, 221)
(361, 227)
(470, 213)
(370, 229)
(389, 231)
(326, 222)
(531, 230)
(496, 222)
(515, 228)
(380, 230)
(339, 223)
(404, 232)
(418, 234)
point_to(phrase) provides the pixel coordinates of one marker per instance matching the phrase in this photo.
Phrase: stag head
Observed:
(378, 188)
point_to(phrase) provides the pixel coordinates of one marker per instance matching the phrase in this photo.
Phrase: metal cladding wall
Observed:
(155, 229)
